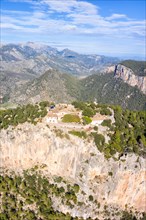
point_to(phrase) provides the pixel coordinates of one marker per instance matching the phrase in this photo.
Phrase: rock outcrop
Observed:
(128, 76)
(114, 183)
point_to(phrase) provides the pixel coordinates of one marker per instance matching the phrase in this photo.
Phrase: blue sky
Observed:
(115, 28)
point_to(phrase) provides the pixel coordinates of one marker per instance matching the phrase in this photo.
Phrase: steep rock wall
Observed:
(113, 183)
(128, 76)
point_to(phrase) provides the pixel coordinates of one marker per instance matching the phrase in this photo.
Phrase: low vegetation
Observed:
(81, 134)
(68, 118)
(99, 141)
(61, 134)
(105, 111)
(107, 123)
(86, 120)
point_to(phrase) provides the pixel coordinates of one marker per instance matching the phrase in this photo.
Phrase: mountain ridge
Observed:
(61, 87)
(24, 77)
(30, 54)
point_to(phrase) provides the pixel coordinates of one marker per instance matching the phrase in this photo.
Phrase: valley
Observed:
(64, 76)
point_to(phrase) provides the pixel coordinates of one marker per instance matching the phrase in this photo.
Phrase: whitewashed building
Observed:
(52, 118)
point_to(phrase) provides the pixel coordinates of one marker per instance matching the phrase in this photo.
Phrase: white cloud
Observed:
(70, 6)
(69, 27)
(78, 14)
(60, 6)
(74, 17)
(116, 16)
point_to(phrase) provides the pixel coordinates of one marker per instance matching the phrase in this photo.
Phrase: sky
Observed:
(107, 27)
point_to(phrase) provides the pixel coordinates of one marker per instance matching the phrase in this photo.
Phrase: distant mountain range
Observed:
(31, 73)
(34, 59)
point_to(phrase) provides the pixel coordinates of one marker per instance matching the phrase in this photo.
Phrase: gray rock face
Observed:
(112, 183)
(36, 59)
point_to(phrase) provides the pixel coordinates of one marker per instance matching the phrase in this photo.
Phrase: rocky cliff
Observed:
(116, 184)
(128, 76)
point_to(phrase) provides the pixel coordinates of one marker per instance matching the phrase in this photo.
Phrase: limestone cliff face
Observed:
(112, 183)
(128, 76)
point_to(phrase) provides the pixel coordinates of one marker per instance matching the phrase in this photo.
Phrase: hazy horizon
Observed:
(120, 56)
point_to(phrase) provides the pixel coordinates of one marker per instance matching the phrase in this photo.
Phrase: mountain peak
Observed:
(68, 52)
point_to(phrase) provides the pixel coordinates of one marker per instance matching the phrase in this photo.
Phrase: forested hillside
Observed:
(110, 90)
(60, 87)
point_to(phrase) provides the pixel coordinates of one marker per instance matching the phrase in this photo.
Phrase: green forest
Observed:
(127, 134)
(30, 196)
(26, 113)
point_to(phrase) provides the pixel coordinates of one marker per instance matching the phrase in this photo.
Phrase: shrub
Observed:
(96, 128)
(58, 179)
(128, 216)
(99, 139)
(81, 134)
(110, 173)
(86, 120)
(90, 198)
(88, 111)
(44, 104)
(79, 105)
(107, 152)
(105, 111)
(106, 122)
(59, 133)
(76, 188)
